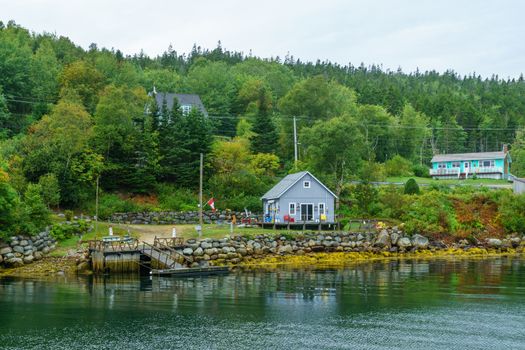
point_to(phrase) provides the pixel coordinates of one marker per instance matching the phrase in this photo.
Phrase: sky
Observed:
(485, 37)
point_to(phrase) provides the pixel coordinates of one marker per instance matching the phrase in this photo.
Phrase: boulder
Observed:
(187, 251)
(419, 242)
(404, 242)
(198, 252)
(37, 255)
(206, 245)
(5, 250)
(15, 262)
(83, 266)
(494, 242)
(285, 249)
(24, 242)
(18, 249)
(28, 259)
(382, 240)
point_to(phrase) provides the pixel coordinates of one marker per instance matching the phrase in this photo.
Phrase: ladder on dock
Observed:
(165, 257)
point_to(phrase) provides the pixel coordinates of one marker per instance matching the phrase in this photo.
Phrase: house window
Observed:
(186, 109)
(488, 163)
(291, 210)
(442, 165)
(322, 209)
(306, 184)
(455, 164)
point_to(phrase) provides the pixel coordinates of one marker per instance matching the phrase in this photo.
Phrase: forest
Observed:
(71, 118)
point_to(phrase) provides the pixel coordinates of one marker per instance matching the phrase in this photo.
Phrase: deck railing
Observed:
(113, 246)
(472, 170)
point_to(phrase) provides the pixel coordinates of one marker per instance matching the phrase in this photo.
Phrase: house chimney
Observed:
(505, 148)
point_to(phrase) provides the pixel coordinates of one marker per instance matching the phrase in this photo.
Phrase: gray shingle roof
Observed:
(287, 182)
(467, 156)
(184, 99)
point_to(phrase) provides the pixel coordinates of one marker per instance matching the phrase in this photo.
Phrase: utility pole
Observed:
(295, 141)
(200, 193)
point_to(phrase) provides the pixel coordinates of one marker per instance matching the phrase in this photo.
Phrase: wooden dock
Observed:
(160, 258)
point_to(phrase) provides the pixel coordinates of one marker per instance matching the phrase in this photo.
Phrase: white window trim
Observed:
(290, 209)
(324, 208)
(307, 182)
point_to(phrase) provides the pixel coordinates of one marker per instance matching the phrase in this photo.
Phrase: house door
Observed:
(307, 212)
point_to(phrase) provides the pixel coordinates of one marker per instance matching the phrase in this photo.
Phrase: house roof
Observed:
(468, 156)
(287, 182)
(184, 99)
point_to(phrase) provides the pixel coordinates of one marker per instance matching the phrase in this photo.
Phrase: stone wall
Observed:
(173, 218)
(235, 250)
(20, 250)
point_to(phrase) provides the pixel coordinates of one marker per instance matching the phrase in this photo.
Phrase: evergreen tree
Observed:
(172, 148)
(265, 138)
(411, 187)
(198, 139)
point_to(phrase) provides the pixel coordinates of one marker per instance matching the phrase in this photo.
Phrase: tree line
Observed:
(71, 116)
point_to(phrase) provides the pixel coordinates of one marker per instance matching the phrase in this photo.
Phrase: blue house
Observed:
(484, 165)
(299, 198)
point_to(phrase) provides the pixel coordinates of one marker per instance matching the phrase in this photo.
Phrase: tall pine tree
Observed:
(265, 138)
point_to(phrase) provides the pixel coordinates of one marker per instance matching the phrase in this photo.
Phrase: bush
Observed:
(372, 171)
(36, 215)
(512, 213)
(111, 203)
(64, 231)
(173, 198)
(68, 214)
(411, 187)
(420, 170)
(398, 166)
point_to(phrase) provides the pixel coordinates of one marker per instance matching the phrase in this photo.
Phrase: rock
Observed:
(28, 259)
(18, 249)
(419, 242)
(383, 239)
(404, 242)
(494, 242)
(206, 245)
(37, 255)
(285, 249)
(83, 266)
(198, 252)
(515, 241)
(1, 259)
(5, 250)
(45, 250)
(394, 236)
(23, 243)
(15, 262)
(187, 251)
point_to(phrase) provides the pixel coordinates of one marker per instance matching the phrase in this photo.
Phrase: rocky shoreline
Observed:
(21, 250)
(239, 249)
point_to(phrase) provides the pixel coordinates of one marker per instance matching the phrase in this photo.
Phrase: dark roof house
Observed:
(186, 101)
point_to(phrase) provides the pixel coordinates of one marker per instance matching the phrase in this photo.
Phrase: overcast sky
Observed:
(482, 36)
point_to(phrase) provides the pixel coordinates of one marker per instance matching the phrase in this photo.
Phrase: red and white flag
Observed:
(211, 203)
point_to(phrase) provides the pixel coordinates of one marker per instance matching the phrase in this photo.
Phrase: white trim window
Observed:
(322, 209)
(291, 209)
(442, 165)
(306, 184)
(488, 163)
(456, 164)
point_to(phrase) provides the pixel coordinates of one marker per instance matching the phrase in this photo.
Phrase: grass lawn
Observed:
(426, 180)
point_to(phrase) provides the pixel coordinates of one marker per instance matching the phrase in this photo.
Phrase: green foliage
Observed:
(430, 213)
(372, 171)
(36, 215)
(68, 214)
(50, 189)
(112, 203)
(512, 209)
(63, 231)
(398, 166)
(411, 187)
(8, 206)
(177, 199)
(420, 170)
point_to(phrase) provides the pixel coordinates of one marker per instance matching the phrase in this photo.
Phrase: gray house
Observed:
(299, 197)
(186, 101)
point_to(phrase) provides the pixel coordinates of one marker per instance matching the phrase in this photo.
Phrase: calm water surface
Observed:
(440, 304)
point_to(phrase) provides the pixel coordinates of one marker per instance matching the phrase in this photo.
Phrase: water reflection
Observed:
(364, 298)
